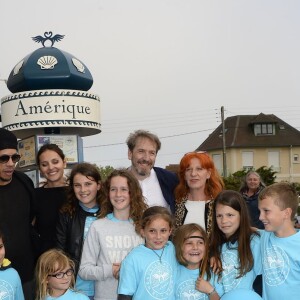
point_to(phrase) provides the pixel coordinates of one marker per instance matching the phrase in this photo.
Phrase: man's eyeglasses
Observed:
(61, 275)
(5, 158)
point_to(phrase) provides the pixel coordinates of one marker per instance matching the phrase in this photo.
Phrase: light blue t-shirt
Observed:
(144, 276)
(69, 295)
(10, 285)
(87, 286)
(185, 287)
(281, 266)
(230, 261)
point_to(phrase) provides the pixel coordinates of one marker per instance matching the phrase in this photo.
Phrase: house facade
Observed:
(252, 141)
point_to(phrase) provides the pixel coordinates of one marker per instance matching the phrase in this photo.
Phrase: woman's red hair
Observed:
(214, 185)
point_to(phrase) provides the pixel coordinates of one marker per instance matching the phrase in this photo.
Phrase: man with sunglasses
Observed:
(16, 211)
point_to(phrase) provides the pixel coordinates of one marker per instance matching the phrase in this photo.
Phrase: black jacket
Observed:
(69, 233)
(168, 182)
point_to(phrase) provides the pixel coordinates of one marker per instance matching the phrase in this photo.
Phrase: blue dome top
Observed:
(49, 68)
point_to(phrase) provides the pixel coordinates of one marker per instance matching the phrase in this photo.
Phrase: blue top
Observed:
(230, 261)
(144, 276)
(186, 285)
(10, 285)
(87, 286)
(281, 266)
(69, 295)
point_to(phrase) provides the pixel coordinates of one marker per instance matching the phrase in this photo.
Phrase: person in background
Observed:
(157, 184)
(250, 189)
(234, 243)
(280, 242)
(149, 270)
(10, 282)
(194, 278)
(199, 184)
(55, 277)
(16, 211)
(50, 196)
(114, 234)
(77, 215)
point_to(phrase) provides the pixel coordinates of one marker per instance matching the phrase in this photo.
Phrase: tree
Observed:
(104, 171)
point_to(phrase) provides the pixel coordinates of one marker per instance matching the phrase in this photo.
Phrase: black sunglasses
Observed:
(61, 275)
(5, 158)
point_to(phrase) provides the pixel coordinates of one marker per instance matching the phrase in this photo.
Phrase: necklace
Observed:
(159, 256)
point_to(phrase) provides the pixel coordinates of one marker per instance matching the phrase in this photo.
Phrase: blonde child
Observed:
(55, 277)
(10, 282)
(194, 279)
(234, 243)
(114, 234)
(280, 242)
(149, 270)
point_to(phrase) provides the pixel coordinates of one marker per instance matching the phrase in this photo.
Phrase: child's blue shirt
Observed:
(230, 261)
(281, 266)
(185, 287)
(144, 276)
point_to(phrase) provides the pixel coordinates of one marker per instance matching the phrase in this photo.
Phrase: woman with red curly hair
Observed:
(199, 184)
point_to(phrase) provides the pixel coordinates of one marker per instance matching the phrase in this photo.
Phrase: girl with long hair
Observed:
(114, 234)
(234, 244)
(77, 214)
(194, 279)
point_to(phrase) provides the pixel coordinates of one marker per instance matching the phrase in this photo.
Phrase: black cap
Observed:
(7, 140)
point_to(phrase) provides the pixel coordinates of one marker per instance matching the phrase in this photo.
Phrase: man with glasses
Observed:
(16, 211)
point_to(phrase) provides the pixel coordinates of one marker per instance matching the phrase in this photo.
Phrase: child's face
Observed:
(58, 286)
(228, 219)
(85, 190)
(156, 234)
(193, 250)
(2, 251)
(119, 194)
(273, 218)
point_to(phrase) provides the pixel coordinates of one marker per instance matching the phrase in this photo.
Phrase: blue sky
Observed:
(167, 65)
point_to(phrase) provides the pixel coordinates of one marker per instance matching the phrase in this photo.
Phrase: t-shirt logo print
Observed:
(186, 290)
(230, 273)
(158, 280)
(276, 266)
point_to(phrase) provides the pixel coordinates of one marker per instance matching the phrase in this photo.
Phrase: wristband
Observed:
(212, 292)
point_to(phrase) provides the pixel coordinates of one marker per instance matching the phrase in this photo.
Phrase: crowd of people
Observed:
(143, 232)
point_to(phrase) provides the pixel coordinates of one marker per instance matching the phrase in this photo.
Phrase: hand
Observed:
(215, 265)
(203, 286)
(116, 270)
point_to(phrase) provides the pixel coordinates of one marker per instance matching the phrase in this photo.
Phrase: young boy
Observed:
(10, 282)
(280, 242)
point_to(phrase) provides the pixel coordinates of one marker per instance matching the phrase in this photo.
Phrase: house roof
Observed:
(239, 133)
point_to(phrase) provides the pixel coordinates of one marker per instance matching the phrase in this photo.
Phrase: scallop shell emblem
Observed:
(79, 66)
(47, 62)
(18, 67)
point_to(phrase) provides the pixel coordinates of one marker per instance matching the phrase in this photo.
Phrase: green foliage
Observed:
(267, 175)
(104, 171)
(235, 180)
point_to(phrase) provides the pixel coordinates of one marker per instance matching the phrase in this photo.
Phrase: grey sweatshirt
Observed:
(108, 241)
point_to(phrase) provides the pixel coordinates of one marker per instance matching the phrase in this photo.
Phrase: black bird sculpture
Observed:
(48, 37)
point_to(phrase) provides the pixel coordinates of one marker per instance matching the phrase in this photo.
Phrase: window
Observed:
(264, 129)
(247, 160)
(217, 159)
(296, 158)
(273, 160)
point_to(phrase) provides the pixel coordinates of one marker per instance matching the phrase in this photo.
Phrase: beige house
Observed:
(252, 141)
